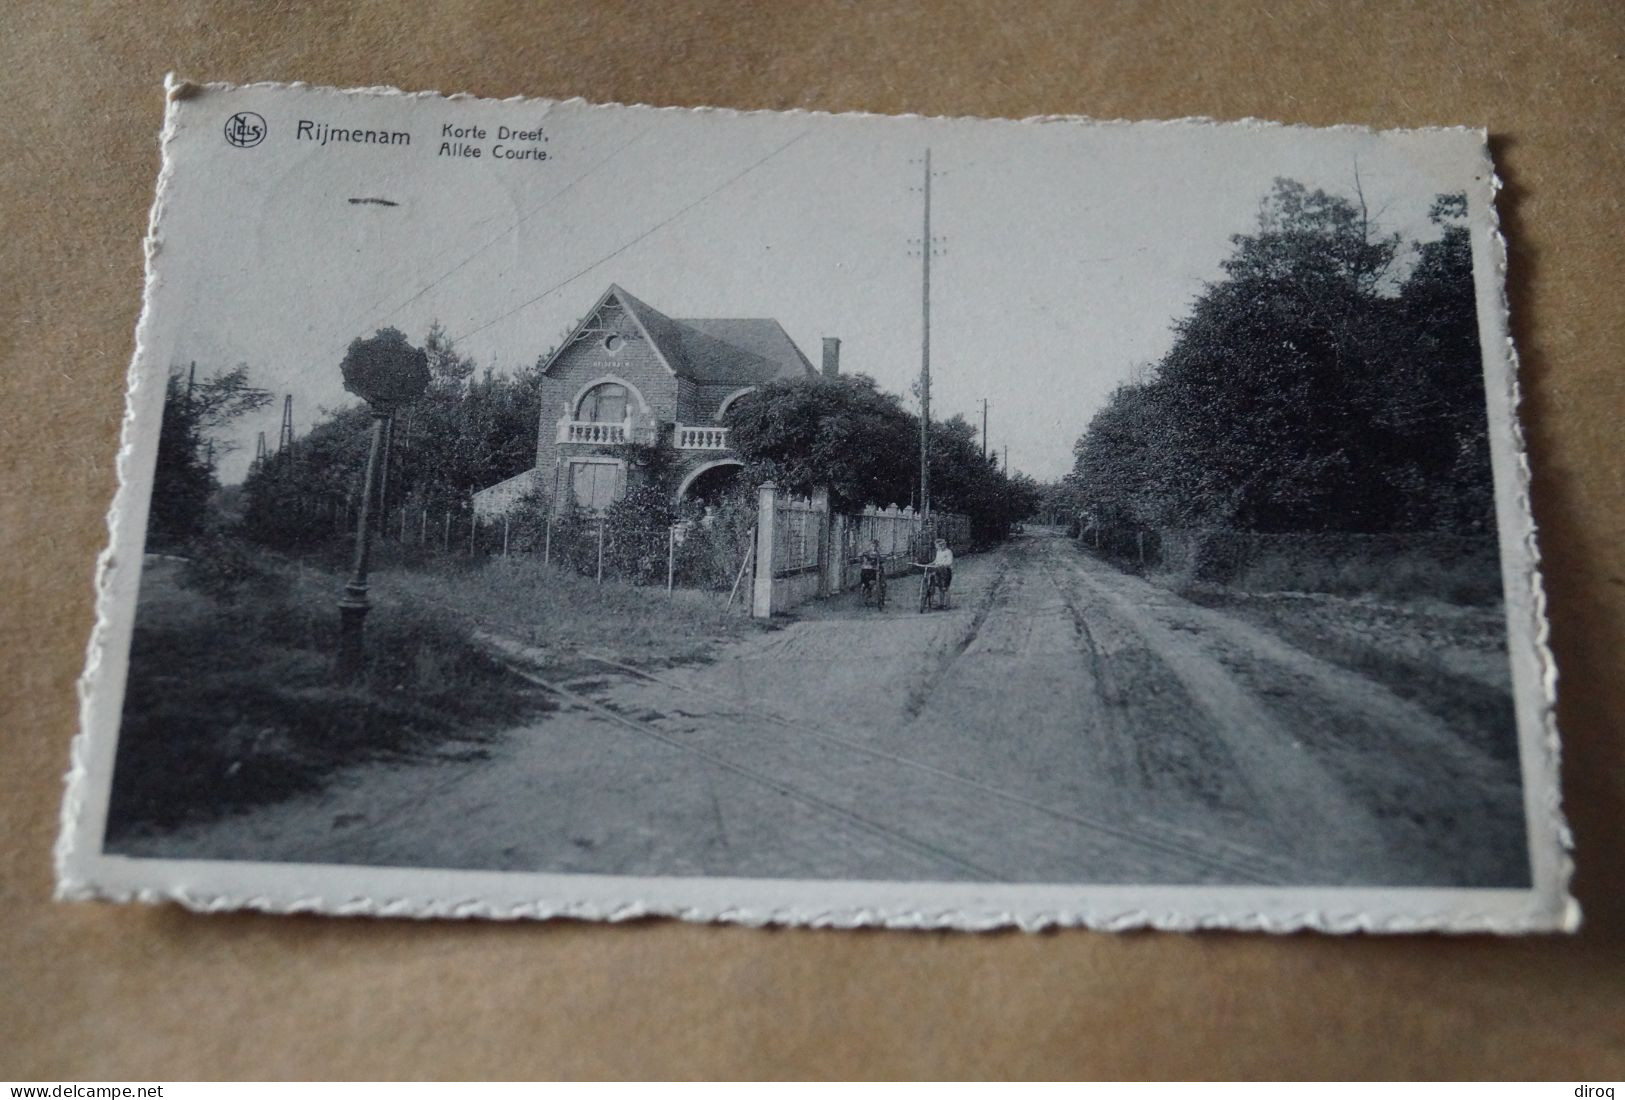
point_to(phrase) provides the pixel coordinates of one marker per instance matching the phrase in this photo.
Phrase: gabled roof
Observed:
(721, 340)
(713, 351)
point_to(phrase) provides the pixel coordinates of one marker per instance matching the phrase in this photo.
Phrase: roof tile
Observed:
(720, 350)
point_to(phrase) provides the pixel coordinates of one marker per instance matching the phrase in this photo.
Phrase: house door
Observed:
(594, 485)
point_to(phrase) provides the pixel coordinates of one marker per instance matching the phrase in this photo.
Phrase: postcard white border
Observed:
(84, 872)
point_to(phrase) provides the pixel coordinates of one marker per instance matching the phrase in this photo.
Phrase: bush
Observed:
(222, 566)
(283, 513)
(637, 536)
(1462, 569)
(715, 541)
(527, 523)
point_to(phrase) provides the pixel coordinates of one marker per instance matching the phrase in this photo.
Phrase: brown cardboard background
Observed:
(120, 992)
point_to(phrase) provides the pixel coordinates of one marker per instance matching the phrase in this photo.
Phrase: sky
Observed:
(1066, 250)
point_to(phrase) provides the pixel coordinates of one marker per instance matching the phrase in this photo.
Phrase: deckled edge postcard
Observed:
(535, 508)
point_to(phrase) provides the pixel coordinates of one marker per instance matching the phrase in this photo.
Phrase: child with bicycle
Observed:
(872, 573)
(942, 566)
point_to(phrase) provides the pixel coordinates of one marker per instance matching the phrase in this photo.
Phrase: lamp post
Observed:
(387, 373)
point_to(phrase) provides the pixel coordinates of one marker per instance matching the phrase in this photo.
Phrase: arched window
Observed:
(603, 404)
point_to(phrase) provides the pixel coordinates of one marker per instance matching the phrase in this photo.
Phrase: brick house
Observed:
(629, 373)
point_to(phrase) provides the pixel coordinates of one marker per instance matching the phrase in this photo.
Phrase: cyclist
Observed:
(943, 566)
(872, 572)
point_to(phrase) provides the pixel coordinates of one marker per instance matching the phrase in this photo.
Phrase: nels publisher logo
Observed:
(245, 129)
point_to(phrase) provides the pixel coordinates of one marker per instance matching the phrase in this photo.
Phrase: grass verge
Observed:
(560, 613)
(1450, 661)
(231, 699)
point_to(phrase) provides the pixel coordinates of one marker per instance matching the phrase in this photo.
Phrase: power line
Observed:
(641, 236)
(502, 235)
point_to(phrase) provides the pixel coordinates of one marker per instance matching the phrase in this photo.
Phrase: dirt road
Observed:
(1064, 722)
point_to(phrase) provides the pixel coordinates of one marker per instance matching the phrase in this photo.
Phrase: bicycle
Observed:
(874, 589)
(930, 585)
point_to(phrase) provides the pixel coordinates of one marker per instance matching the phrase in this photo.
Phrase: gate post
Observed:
(820, 502)
(761, 602)
(838, 553)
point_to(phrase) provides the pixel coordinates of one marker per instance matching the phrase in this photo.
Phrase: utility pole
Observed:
(925, 348)
(1007, 458)
(984, 429)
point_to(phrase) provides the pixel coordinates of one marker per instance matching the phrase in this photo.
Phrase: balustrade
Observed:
(700, 438)
(587, 431)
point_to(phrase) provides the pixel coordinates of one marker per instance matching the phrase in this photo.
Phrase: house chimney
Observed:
(832, 356)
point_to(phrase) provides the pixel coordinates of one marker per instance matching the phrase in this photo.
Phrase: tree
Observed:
(1130, 469)
(965, 481)
(1441, 368)
(189, 448)
(467, 431)
(841, 433)
(1315, 387)
(846, 435)
(294, 498)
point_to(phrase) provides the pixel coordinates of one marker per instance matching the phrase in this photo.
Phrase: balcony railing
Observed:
(587, 431)
(699, 438)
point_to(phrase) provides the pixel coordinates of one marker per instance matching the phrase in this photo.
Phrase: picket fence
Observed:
(805, 550)
(801, 549)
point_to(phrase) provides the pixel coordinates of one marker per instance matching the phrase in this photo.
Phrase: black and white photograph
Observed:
(534, 508)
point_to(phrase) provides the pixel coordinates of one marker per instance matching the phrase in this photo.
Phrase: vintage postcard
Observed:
(536, 508)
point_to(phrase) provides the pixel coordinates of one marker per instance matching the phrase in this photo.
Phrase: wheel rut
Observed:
(921, 693)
